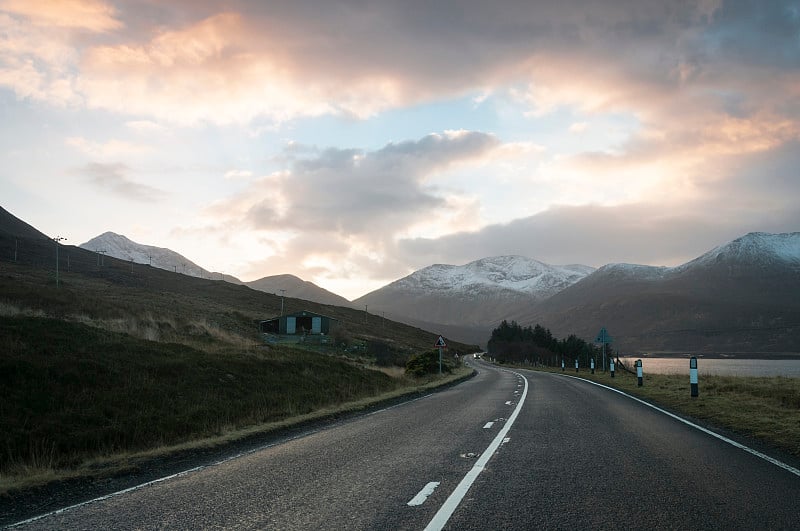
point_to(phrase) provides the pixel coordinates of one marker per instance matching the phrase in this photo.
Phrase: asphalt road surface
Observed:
(504, 450)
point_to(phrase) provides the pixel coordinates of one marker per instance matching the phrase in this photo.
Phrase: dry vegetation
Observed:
(125, 361)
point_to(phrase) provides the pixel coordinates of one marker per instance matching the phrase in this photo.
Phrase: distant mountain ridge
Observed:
(453, 298)
(743, 296)
(292, 286)
(119, 246)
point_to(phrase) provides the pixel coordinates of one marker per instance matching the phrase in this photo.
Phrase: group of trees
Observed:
(511, 343)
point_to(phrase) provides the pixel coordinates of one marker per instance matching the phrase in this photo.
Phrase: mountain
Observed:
(118, 246)
(462, 301)
(743, 296)
(292, 286)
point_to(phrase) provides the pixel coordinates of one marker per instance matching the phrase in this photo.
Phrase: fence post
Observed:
(693, 376)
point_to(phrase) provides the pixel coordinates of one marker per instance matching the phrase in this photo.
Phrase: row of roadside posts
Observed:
(693, 381)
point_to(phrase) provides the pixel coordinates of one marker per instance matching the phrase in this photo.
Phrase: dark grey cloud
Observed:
(348, 191)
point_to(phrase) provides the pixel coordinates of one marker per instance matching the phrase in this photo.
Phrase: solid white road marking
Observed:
(747, 449)
(448, 508)
(422, 495)
(488, 425)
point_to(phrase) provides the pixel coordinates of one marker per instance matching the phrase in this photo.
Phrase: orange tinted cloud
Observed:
(91, 15)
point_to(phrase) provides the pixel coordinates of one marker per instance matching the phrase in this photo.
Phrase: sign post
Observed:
(604, 339)
(442, 345)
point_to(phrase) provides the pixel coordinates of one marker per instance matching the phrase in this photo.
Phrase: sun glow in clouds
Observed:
(358, 144)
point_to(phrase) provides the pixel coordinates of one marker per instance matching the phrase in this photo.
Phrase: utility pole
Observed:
(282, 292)
(57, 239)
(365, 313)
(16, 245)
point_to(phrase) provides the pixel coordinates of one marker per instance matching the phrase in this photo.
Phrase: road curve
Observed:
(577, 456)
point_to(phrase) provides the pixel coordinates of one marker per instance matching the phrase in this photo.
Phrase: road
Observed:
(504, 450)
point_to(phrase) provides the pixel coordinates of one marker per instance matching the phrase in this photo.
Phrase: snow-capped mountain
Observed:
(477, 293)
(512, 273)
(118, 246)
(741, 296)
(753, 249)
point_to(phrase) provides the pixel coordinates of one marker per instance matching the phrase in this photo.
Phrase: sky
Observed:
(352, 142)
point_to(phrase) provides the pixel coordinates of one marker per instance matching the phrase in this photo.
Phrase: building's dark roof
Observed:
(303, 313)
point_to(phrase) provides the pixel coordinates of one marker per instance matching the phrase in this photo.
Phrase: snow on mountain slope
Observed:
(753, 248)
(118, 246)
(512, 273)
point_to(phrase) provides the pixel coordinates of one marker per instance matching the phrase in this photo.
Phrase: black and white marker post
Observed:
(693, 375)
(562, 364)
(611, 366)
(639, 372)
(591, 365)
(576, 364)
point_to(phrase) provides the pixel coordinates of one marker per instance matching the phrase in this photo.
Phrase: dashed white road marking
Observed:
(488, 425)
(508, 403)
(448, 508)
(422, 495)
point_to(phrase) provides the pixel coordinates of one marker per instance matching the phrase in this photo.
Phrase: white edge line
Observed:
(741, 446)
(422, 495)
(451, 503)
(195, 469)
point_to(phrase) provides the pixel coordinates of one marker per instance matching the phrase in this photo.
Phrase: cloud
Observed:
(350, 191)
(90, 15)
(112, 149)
(114, 178)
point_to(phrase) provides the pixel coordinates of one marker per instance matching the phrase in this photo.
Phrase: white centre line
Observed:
(422, 495)
(448, 508)
(488, 425)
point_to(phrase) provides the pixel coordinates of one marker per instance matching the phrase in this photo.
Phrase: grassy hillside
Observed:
(119, 358)
(71, 391)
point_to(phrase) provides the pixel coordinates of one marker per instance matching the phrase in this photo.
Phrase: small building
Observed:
(298, 324)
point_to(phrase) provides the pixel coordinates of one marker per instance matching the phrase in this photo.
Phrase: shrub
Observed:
(426, 363)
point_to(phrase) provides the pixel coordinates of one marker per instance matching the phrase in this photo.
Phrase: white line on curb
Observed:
(747, 449)
(448, 508)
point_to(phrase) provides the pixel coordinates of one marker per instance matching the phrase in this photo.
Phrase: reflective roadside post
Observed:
(591, 363)
(576, 364)
(693, 376)
(639, 372)
(611, 366)
(562, 364)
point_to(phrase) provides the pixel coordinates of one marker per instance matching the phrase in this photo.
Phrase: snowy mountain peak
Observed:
(755, 247)
(119, 246)
(514, 273)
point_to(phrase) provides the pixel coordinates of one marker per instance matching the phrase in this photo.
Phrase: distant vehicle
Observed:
(476, 356)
